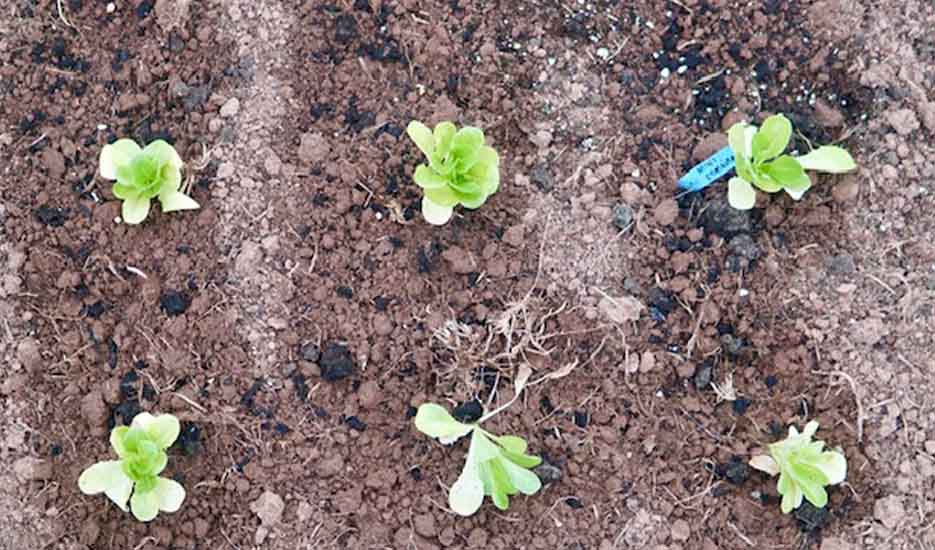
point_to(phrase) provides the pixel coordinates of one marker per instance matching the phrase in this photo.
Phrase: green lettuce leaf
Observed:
(771, 139)
(461, 169)
(830, 159)
(144, 174)
(804, 468)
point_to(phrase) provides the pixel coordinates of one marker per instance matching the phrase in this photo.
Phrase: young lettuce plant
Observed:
(461, 169)
(497, 466)
(760, 162)
(142, 451)
(144, 174)
(804, 468)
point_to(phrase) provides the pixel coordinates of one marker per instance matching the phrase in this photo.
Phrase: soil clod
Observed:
(745, 247)
(189, 439)
(468, 412)
(811, 518)
(548, 472)
(741, 405)
(126, 411)
(355, 423)
(734, 470)
(722, 219)
(661, 303)
(542, 178)
(732, 344)
(703, 375)
(623, 216)
(336, 362)
(128, 382)
(310, 352)
(301, 386)
(840, 264)
(574, 503)
(345, 29)
(174, 303)
(96, 309)
(52, 217)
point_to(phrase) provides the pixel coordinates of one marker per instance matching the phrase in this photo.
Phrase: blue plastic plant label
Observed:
(708, 171)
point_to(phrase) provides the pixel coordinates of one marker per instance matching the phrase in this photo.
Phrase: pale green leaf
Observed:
(486, 170)
(443, 196)
(434, 421)
(791, 494)
(143, 420)
(434, 213)
(134, 210)
(786, 171)
(176, 200)
(523, 460)
(492, 181)
(466, 146)
(421, 135)
(482, 449)
(811, 482)
(108, 478)
(512, 443)
(524, 480)
(467, 493)
(145, 505)
(765, 463)
(833, 465)
(162, 429)
(483, 469)
(142, 175)
(473, 201)
(514, 449)
(159, 463)
(830, 159)
(502, 486)
(810, 429)
(740, 194)
(771, 139)
(804, 473)
(170, 494)
(117, 154)
(427, 178)
(163, 154)
(796, 189)
(116, 439)
(124, 191)
(171, 179)
(740, 138)
(444, 136)
(804, 469)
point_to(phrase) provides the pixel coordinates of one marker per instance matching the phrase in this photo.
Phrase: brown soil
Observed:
(310, 258)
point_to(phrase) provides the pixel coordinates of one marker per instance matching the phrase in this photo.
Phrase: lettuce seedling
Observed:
(760, 162)
(803, 466)
(142, 451)
(144, 174)
(497, 466)
(461, 169)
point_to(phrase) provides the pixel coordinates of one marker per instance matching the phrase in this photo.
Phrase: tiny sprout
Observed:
(144, 174)
(461, 169)
(142, 451)
(760, 162)
(803, 466)
(497, 466)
